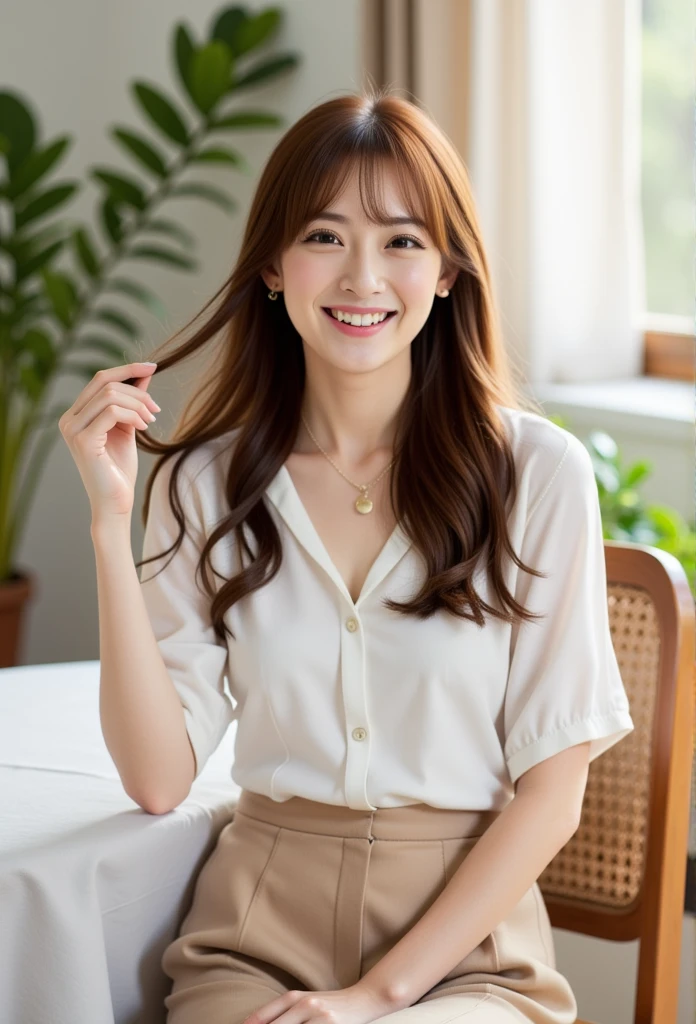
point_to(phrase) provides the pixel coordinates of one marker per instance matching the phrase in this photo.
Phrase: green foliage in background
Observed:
(51, 317)
(625, 515)
(667, 141)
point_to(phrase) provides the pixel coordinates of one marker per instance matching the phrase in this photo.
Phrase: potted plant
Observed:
(71, 319)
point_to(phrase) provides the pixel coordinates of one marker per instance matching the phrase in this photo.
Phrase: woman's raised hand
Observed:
(99, 429)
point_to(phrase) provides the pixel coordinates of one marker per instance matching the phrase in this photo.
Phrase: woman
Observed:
(397, 563)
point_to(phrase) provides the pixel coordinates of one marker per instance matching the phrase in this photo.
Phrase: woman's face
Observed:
(348, 263)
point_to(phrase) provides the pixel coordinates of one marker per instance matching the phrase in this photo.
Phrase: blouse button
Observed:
(359, 734)
(351, 625)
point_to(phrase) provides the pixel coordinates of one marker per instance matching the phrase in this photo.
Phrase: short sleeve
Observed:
(179, 612)
(564, 686)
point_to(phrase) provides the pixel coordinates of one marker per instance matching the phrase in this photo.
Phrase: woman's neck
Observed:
(350, 424)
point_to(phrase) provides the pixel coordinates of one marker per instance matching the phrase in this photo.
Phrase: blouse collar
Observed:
(283, 493)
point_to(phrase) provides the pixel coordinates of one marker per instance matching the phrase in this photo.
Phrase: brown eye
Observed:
(312, 237)
(408, 238)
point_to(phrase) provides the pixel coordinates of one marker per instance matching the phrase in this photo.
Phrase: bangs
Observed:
(329, 174)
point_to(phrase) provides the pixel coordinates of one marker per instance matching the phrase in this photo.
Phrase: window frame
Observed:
(669, 347)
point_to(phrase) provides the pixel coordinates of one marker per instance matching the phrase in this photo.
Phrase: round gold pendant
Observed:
(363, 505)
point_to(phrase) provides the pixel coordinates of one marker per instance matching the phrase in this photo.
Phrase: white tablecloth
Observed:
(92, 888)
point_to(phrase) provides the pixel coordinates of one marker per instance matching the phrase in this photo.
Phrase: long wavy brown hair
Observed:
(449, 436)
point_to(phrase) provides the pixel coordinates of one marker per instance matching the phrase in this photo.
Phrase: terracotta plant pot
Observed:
(15, 594)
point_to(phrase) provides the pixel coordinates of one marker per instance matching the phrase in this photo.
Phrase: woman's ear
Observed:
(272, 279)
(448, 276)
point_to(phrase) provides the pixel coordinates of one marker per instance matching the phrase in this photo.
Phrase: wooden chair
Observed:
(622, 875)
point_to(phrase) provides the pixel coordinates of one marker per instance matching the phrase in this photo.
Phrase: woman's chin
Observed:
(354, 355)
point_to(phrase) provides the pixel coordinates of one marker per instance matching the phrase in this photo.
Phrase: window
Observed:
(669, 208)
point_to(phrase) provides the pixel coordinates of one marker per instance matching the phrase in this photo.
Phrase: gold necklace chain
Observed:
(363, 504)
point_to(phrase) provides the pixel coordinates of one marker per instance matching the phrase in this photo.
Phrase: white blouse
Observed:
(351, 703)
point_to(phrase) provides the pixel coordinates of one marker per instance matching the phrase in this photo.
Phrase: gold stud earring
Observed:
(273, 295)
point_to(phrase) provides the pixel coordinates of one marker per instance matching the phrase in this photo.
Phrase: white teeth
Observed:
(358, 320)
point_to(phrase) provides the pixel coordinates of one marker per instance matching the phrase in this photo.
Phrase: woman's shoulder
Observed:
(210, 459)
(544, 453)
(535, 438)
(201, 477)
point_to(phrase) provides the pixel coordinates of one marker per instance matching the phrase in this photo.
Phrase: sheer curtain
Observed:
(542, 98)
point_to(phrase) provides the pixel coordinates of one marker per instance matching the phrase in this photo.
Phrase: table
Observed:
(92, 888)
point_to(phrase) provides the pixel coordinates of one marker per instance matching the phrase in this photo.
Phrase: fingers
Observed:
(109, 387)
(107, 390)
(111, 400)
(112, 415)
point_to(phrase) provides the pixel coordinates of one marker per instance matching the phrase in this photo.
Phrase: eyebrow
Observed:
(389, 222)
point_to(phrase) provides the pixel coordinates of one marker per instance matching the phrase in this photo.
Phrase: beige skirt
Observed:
(306, 895)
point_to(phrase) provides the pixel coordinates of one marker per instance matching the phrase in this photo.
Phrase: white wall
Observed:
(74, 60)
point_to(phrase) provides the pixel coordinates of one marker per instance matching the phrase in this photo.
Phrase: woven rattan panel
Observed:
(604, 860)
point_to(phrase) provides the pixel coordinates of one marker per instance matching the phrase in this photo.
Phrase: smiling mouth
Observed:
(327, 310)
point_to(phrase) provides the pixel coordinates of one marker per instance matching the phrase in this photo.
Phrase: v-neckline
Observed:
(286, 498)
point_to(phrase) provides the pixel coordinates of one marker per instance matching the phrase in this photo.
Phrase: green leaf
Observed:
(220, 156)
(142, 150)
(607, 475)
(559, 420)
(89, 261)
(117, 319)
(41, 259)
(203, 191)
(161, 112)
(666, 520)
(62, 294)
(112, 221)
(39, 344)
(31, 382)
(108, 347)
(227, 26)
(36, 166)
(604, 445)
(247, 119)
(153, 252)
(257, 30)
(30, 303)
(637, 472)
(169, 227)
(44, 203)
(121, 189)
(628, 499)
(23, 247)
(210, 72)
(183, 52)
(265, 70)
(140, 294)
(18, 127)
(626, 517)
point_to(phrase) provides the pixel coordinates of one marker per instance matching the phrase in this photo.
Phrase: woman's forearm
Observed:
(141, 715)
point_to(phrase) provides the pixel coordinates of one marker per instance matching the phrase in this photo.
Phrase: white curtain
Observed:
(554, 159)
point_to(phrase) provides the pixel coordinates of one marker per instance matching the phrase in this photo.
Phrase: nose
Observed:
(361, 273)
